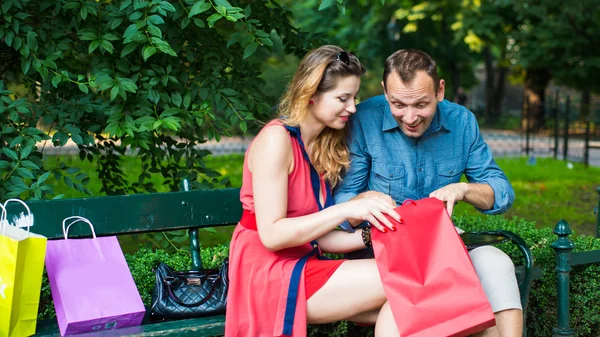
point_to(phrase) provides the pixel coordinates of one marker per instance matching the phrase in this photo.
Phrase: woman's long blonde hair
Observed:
(319, 71)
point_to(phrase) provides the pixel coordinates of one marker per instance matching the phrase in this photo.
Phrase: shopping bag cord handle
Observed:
(409, 201)
(78, 219)
(28, 217)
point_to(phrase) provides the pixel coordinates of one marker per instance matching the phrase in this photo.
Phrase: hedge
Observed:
(541, 314)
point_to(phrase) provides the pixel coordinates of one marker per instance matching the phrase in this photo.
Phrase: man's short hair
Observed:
(406, 63)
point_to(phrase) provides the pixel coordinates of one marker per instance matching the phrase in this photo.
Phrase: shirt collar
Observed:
(439, 121)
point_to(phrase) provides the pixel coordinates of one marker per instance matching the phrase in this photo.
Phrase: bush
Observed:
(541, 314)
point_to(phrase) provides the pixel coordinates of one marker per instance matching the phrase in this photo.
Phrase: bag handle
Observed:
(78, 219)
(190, 305)
(409, 201)
(22, 221)
(3, 221)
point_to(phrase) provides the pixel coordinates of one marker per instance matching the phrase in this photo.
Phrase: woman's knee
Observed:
(489, 257)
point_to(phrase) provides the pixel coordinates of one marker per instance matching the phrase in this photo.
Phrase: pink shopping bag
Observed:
(92, 287)
(427, 274)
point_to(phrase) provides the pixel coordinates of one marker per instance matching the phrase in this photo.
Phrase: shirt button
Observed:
(391, 175)
(451, 171)
(420, 170)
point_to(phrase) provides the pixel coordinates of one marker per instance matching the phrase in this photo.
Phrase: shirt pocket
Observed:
(388, 179)
(450, 171)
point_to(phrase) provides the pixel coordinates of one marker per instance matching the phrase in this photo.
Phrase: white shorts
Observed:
(496, 272)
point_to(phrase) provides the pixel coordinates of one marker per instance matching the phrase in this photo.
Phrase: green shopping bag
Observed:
(22, 256)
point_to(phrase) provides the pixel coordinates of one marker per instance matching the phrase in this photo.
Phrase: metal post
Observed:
(556, 122)
(185, 185)
(597, 213)
(566, 129)
(586, 146)
(527, 135)
(563, 247)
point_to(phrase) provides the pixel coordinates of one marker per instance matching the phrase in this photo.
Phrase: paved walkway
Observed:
(503, 144)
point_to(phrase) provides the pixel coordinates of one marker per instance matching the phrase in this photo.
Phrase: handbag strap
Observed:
(195, 304)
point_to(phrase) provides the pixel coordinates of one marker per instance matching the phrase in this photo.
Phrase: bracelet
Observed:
(366, 237)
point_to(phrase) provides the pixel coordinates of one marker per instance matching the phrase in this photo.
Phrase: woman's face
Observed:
(333, 108)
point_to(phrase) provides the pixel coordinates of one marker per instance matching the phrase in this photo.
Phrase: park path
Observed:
(502, 142)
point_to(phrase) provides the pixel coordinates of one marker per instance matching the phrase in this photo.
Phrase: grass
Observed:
(545, 192)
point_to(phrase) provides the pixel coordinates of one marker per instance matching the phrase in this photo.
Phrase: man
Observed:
(410, 143)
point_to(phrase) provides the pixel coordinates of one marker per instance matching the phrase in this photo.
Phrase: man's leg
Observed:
(497, 275)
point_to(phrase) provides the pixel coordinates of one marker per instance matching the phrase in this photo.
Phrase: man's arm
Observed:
(482, 169)
(488, 189)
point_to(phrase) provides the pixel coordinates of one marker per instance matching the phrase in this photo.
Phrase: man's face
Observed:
(413, 104)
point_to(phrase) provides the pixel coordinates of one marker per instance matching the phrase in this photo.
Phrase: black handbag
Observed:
(191, 294)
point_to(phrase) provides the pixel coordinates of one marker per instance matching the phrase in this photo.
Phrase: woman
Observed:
(278, 284)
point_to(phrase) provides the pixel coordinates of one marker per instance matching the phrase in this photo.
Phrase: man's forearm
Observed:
(479, 195)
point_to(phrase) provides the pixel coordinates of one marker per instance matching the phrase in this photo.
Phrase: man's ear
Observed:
(441, 91)
(383, 86)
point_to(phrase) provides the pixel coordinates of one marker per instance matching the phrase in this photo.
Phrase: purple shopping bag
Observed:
(92, 287)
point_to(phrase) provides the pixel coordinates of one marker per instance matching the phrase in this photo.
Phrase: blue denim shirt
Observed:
(384, 159)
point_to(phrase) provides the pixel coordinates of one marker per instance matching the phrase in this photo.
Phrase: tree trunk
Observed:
(586, 101)
(536, 81)
(489, 83)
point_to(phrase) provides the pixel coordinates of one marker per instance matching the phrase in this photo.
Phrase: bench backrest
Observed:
(114, 215)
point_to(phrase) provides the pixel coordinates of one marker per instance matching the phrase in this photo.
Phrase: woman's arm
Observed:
(271, 161)
(339, 242)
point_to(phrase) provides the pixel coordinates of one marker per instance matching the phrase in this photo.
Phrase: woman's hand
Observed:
(372, 208)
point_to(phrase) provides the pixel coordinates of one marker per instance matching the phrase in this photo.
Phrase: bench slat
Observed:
(113, 215)
(207, 326)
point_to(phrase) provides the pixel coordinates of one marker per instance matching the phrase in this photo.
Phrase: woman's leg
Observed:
(353, 292)
(386, 324)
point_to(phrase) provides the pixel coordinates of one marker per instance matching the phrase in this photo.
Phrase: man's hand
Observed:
(375, 194)
(451, 194)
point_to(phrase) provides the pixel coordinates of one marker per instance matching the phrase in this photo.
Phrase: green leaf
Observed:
(187, 100)
(176, 99)
(32, 41)
(155, 31)
(156, 19)
(249, 50)
(199, 7)
(25, 64)
(114, 92)
(43, 178)
(135, 16)
(4, 164)
(93, 46)
(30, 165)
(326, 4)
(56, 80)
(115, 23)
(107, 46)
(83, 12)
(68, 181)
(148, 51)
(128, 49)
(25, 173)
(229, 92)
(10, 153)
(167, 6)
(212, 20)
(25, 151)
(16, 141)
(83, 88)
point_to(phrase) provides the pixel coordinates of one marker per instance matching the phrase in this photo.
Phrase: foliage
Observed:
(147, 76)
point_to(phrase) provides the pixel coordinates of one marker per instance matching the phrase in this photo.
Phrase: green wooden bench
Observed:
(143, 213)
(187, 209)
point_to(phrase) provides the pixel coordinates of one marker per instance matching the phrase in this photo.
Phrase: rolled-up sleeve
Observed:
(354, 181)
(482, 168)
